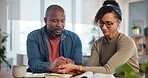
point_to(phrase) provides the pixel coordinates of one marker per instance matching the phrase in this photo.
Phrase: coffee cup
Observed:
(19, 71)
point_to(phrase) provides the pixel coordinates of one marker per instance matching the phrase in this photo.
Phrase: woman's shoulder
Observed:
(125, 38)
(100, 39)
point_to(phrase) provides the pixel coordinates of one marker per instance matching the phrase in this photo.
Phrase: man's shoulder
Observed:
(67, 32)
(37, 32)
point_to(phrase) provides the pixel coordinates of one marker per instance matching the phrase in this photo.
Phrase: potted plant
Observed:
(135, 30)
(95, 36)
(129, 73)
(144, 69)
(3, 39)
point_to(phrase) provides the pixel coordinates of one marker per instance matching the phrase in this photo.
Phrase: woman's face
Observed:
(109, 24)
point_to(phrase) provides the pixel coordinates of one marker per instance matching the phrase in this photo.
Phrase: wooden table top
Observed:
(8, 74)
(5, 74)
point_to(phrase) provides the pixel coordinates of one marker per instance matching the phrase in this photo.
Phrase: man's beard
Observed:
(53, 32)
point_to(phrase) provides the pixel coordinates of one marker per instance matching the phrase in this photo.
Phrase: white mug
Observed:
(19, 71)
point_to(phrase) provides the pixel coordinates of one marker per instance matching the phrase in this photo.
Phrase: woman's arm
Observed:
(95, 51)
(126, 48)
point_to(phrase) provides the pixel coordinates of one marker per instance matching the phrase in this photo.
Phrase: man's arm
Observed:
(78, 57)
(35, 61)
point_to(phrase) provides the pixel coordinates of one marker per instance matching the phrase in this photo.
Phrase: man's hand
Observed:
(59, 61)
(67, 60)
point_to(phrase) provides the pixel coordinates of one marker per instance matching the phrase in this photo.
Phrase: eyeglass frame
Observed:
(107, 25)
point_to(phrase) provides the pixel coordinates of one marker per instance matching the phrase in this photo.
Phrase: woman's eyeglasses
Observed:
(108, 24)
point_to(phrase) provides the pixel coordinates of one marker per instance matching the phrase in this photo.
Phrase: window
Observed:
(23, 19)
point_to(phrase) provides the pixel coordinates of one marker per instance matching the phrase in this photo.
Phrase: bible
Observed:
(90, 74)
(56, 75)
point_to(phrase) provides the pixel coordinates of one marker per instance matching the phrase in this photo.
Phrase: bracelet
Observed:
(80, 68)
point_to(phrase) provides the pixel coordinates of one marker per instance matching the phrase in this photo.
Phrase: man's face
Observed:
(55, 22)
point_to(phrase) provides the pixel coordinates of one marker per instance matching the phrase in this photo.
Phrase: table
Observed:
(8, 74)
(5, 74)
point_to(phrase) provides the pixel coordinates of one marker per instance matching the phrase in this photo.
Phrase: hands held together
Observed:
(64, 65)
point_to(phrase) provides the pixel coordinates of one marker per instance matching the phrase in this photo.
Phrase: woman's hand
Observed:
(75, 72)
(67, 68)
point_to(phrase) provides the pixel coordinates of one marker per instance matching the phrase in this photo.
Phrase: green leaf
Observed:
(124, 68)
(92, 41)
(3, 58)
(3, 49)
(4, 39)
(129, 73)
(144, 67)
(135, 27)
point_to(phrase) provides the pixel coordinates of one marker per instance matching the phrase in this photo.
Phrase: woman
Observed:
(113, 49)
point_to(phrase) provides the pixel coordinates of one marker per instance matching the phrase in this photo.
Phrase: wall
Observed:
(138, 16)
(3, 22)
(89, 9)
(29, 12)
(146, 1)
(3, 15)
(13, 17)
(66, 4)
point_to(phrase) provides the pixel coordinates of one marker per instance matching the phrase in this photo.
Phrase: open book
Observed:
(35, 75)
(90, 74)
(87, 74)
(55, 75)
(47, 75)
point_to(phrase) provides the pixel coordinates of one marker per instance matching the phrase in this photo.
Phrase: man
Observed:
(46, 45)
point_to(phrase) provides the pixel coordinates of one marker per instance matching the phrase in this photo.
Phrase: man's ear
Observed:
(45, 20)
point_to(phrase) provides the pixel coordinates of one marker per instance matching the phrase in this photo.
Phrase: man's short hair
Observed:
(52, 8)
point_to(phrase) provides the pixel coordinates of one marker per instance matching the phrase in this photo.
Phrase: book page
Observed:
(35, 75)
(87, 74)
(56, 75)
(101, 75)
